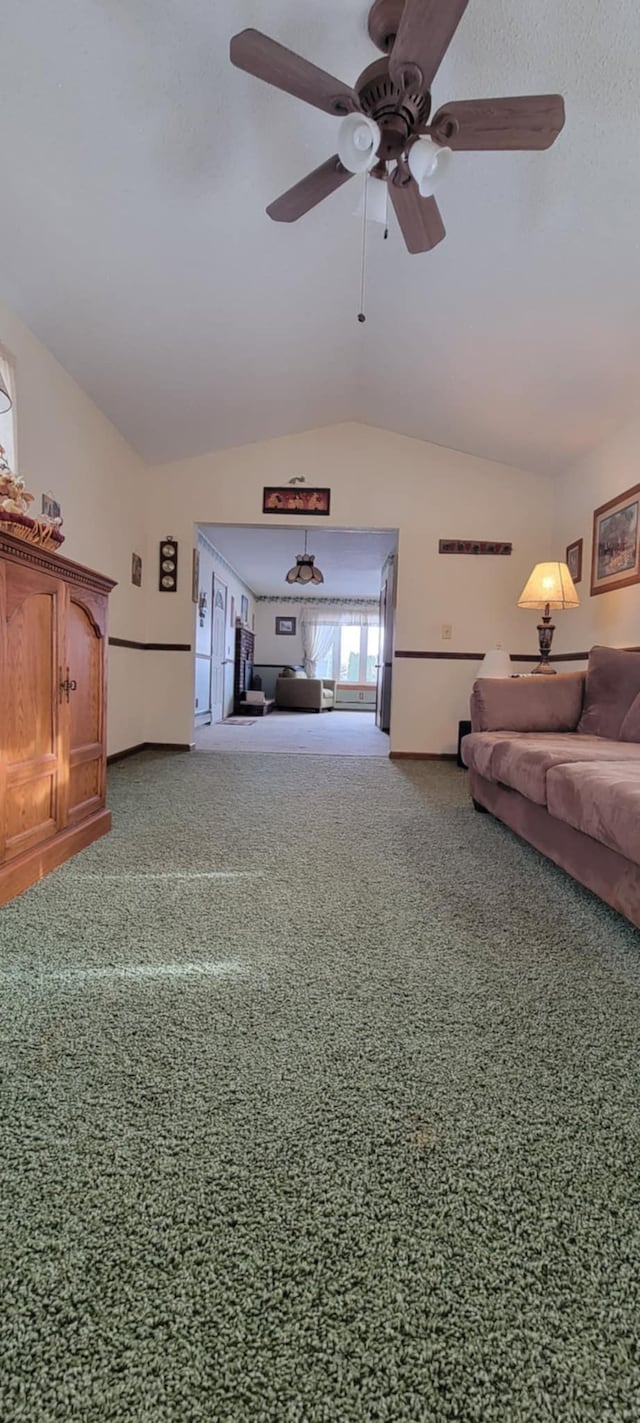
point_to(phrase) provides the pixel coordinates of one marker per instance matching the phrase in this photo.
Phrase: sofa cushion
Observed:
(613, 683)
(601, 800)
(630, 729)
(478, 747)
(522, 761)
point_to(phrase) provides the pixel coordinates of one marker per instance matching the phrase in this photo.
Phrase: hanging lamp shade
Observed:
(304, 569)
(5, 398)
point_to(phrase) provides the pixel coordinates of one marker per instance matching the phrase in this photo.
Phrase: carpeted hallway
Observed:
(320, 1106)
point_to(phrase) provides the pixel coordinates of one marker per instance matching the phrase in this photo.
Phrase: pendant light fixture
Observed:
(304, 570)
(5, 398)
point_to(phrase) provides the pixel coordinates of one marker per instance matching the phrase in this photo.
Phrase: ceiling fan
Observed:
(385, 127)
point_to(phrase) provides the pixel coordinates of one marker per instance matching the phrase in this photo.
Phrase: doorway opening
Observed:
(288, 666)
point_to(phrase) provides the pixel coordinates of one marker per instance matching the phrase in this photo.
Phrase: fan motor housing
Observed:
(399, 115)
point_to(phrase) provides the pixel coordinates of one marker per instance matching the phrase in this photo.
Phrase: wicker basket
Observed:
(33, 531)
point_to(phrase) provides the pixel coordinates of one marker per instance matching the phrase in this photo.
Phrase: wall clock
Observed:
(168, 579)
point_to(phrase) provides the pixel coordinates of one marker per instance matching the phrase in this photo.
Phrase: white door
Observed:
(218, 647)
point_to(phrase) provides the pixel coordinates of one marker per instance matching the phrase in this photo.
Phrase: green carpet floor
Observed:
(320, 1105)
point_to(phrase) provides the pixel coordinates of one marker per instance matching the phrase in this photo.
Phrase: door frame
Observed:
(222, 661)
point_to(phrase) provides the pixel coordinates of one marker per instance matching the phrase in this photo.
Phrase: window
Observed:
(7, 421)
(353, 655)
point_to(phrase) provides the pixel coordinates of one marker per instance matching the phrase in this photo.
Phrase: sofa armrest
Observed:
(329, 682)
(542, 703)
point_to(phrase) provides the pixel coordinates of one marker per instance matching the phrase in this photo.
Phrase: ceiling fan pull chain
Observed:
(363, 263)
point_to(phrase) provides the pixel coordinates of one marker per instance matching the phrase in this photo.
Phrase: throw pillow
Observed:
(630, 729)
(613, 683)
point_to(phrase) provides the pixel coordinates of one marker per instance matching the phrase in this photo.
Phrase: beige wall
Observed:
(611, 618)
(271, 647)
(378, 480)
(68, 447)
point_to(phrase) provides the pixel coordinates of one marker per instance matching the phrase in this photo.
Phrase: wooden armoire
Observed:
(53, 630)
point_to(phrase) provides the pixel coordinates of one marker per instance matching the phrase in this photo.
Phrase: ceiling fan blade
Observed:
(424, 34)
(420, 221)
(266, 59)
(309, 191)
(533, 121)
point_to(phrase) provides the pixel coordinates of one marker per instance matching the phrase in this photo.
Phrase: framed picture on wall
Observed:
(615, 556)
(281, 499)
(244, 609)
(286, 627)
(573, 560)
(136, 570)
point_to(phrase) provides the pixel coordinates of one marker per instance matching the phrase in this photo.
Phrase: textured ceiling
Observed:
(135, 166)
(350, 559)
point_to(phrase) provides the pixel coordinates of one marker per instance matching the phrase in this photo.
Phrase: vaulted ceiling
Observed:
(135, 167)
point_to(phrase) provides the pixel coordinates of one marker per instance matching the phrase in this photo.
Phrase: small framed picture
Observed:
(244, 608)
(50, 507)
(195, 576)
(573, 560)
(286, 627)
(615, 557)
(136, 570)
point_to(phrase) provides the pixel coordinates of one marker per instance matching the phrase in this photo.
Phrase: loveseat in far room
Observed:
(297, 692)
(558, 760)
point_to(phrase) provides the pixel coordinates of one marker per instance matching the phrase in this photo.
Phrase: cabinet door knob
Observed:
(66, 686)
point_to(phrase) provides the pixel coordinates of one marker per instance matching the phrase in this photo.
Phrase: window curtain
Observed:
(343, 614)
(318, 628)
(317, 642)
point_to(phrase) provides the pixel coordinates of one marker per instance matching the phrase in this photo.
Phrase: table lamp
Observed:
(549, 586)
(495, 663)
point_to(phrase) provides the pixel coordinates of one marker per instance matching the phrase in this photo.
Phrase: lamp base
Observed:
(546, 630)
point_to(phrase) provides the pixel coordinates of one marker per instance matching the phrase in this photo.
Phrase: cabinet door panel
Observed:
(85, 659)
(30, 814)
(30, 709)
(30, 713)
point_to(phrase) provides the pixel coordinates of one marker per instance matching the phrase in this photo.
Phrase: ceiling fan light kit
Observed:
(428, 164)
(386, 126)
(358, 143)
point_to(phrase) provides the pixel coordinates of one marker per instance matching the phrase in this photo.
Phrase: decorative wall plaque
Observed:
(475, 546)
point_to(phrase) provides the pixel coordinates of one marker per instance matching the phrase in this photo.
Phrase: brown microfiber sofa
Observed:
(558, 760)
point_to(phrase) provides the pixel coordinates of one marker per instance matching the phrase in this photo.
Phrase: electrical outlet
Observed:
(447, 630)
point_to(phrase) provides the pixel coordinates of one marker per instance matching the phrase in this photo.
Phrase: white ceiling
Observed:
(351, 559)
(135, 166)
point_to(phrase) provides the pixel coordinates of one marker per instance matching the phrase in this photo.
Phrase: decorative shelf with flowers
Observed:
(14, 516)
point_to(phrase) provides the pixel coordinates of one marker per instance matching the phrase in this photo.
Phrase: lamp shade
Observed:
(549, 583)
(428, 163)
(495, 663)
(358, 143)
(5, 398)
